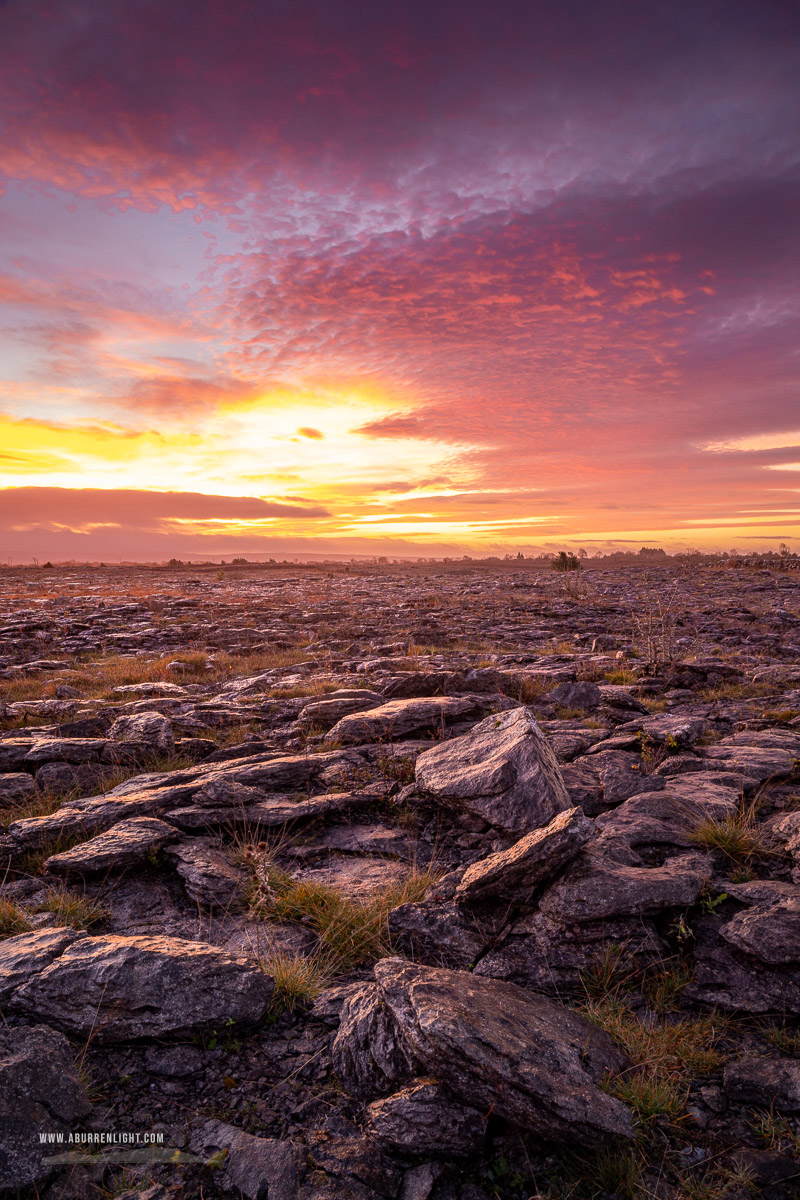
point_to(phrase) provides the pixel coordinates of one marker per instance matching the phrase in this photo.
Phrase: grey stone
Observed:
(503, 770)
(622, 775)
(501, 1048)
(553, 957)
(258, 1168)
(15, 787)
(39, 1093)
(369, 1054)
(425, 1118)
(150, 729)
(534, 858)
(765, 1082)
(123, 988)
(211, 879)
(125, 845)
(26, 954)
(768, 932)
(83, 779)
(399, 718)
(438, 931)
(576, 695)
(66, 750)
(329, 709)
(595, 888)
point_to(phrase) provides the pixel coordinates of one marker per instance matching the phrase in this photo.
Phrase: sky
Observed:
(293, 277)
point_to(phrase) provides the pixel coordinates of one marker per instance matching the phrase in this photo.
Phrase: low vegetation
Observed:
(72, 908)
(737, 837)
(349, 931)
(12, 919)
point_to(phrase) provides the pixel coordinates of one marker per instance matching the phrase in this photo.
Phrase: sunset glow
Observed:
(405, 279)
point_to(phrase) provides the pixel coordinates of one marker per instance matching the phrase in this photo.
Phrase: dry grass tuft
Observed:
(349, 931)
(12, 919)
(736, 836)
(70, 908)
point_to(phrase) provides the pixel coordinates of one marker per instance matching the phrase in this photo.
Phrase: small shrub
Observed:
(565, 561)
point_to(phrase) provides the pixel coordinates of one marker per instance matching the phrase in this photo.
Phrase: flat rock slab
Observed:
(534, 858)
(594, 888)
(125, 845)
(28, 954)
(399, 718)
(503, 770)
(357, 878)
(124, 988)
(500, 1048)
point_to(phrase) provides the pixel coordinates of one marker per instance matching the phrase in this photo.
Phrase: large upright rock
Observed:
(123, 988)
(502, 1049)
(534, 858)
(369, 1054)
(503, 770)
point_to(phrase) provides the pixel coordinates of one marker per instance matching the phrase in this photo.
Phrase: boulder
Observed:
(503, 771)
(425, 1118)
(500, 1048)
(15, 788)
(519, 870)
(400, 718)
(122, 988)
(127, 844)
(149, 729)
(39, 1093)
(368, 1052)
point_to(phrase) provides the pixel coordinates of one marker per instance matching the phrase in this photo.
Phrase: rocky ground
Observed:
(425, 883)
